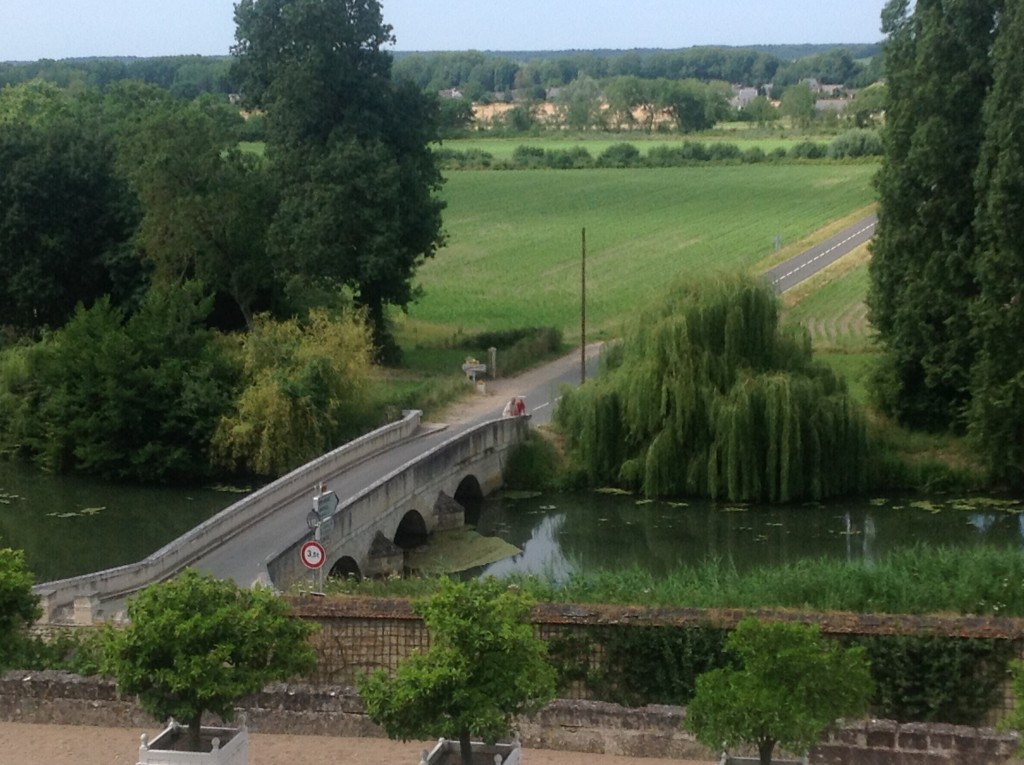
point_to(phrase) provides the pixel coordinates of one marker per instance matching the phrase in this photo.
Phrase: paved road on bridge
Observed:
(243, 557)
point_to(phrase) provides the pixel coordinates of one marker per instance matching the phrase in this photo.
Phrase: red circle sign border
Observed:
(313, 545)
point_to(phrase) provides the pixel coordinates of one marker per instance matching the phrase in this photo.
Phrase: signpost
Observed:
(314, 556)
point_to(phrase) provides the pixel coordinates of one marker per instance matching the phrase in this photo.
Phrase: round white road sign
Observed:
(313, 554)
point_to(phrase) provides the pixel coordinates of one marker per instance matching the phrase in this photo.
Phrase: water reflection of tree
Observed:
(609, 532)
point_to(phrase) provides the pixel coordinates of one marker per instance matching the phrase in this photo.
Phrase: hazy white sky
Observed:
(34, 29)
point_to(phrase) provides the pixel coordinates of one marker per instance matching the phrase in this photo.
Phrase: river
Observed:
(70, 525)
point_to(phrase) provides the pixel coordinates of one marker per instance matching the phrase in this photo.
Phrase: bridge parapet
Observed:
(82, 595)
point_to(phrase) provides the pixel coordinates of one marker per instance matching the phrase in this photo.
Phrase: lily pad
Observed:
(514, 495)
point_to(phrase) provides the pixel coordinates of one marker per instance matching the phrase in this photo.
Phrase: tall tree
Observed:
(997, 414)
(358, 180)
(65, 215)
(939, 70)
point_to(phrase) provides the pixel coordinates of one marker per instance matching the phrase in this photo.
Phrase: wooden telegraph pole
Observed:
(583, 307)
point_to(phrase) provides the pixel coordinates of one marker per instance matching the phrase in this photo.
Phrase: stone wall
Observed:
(359, 634)
(568, 725)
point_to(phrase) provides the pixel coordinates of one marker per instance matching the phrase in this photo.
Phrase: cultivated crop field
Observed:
(513, 253)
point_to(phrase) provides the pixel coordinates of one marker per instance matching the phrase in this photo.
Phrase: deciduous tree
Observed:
(484, 665)
(65, 215)
(196, 644)
(305, 390)
(350, 147)
(789, 687)
(19, 606)
(706, 396)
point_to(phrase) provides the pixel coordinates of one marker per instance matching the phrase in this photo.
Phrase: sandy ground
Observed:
(27, 744)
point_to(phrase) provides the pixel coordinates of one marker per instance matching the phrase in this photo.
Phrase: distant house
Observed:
(451, 94)
(742, 96)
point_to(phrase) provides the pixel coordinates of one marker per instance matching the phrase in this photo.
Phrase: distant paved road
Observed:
(806, 264)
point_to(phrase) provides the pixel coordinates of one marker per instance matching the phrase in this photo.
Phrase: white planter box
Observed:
(222, 746)
(499, 754)
(732, 759)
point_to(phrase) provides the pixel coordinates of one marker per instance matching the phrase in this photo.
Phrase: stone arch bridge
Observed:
(399, 481)
(363, 536)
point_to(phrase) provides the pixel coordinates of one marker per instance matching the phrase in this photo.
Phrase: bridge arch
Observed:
(412, 530)
(469, 490)
(345, 567)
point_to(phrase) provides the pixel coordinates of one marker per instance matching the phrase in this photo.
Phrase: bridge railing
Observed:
(115, 583)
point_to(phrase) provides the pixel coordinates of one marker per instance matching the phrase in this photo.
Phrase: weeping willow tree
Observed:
(708, 396)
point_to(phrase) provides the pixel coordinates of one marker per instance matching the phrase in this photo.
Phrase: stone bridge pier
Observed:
(364, 535)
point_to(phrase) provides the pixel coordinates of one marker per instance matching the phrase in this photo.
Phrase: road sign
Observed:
(313, 554)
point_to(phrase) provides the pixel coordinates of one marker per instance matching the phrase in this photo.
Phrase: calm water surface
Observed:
(580, 532)
(69, 526)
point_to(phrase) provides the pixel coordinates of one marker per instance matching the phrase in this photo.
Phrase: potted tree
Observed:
(484, 666)
(789, 686)
(197, 644)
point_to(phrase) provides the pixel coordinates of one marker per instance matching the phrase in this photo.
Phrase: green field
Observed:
(513, 253)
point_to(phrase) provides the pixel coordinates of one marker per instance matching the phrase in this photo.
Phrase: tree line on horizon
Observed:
(485, 76)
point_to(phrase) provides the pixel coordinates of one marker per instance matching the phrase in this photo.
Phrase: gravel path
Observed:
(27, 744)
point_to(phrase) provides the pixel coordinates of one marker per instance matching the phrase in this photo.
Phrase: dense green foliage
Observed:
(917, 678)
(19, 606)
(707, 397)
(946, 272)
(639, 665)
(197, 644)
(932, 678)
(182, 76)
(790, 686)
(480, 74)
(305, 389)
(997, 413)
(65, 214)
(922, 283)
(133, 398)
(132, 226)
(484, 666)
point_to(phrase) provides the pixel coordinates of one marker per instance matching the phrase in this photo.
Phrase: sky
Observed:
(35, 29)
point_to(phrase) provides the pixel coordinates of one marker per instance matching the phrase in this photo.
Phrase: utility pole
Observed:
(583, 307)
